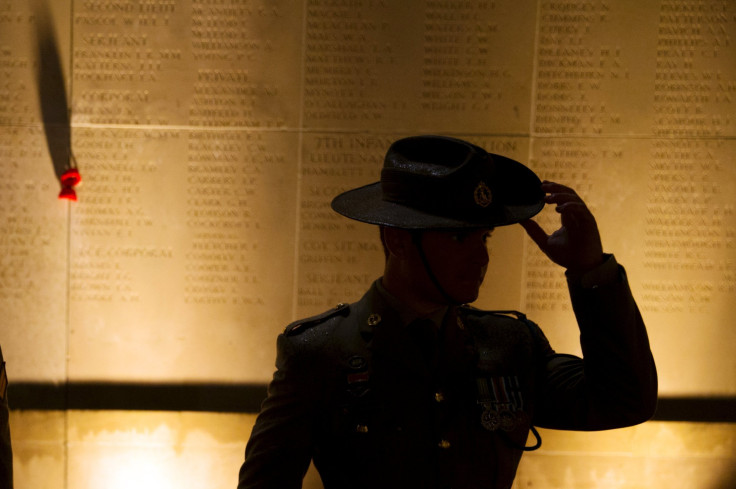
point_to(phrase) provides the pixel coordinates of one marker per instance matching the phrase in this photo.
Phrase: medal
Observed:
(489, 418)
(507, 420)
(503, 404)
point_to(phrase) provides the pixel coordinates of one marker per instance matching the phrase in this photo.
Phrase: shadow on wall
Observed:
(247, 398)
(52, 95)
(728, 482)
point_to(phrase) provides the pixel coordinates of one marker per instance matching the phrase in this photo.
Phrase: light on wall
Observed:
(133, 468)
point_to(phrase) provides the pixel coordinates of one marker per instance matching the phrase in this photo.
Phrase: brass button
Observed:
(374, 319)
(439, 397)
(361, 428)
(444, 444)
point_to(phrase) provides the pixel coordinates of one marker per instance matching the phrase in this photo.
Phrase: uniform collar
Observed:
(405, 313)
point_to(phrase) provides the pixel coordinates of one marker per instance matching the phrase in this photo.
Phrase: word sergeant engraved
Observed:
(124, 55)
(201, 63)
(338, 258)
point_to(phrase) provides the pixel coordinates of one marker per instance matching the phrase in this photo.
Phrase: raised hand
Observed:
(576, 245)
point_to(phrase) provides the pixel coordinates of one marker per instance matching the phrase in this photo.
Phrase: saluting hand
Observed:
(576, 245)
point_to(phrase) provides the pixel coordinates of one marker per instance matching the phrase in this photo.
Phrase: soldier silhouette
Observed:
(412, 388)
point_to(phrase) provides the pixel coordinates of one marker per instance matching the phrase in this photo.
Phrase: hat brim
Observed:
(366, 204)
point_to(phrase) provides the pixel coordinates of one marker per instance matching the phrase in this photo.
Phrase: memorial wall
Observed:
(211, 136)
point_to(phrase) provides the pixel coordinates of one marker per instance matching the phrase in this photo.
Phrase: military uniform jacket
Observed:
(362, 395)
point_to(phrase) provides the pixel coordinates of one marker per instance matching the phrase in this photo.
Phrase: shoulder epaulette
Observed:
(302, 325)
(480, 312)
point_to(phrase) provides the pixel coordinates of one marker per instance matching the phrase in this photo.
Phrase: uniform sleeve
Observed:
(615, 383)
(279, 450)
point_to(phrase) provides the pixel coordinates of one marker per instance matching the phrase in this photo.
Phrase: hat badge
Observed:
(482, 194)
